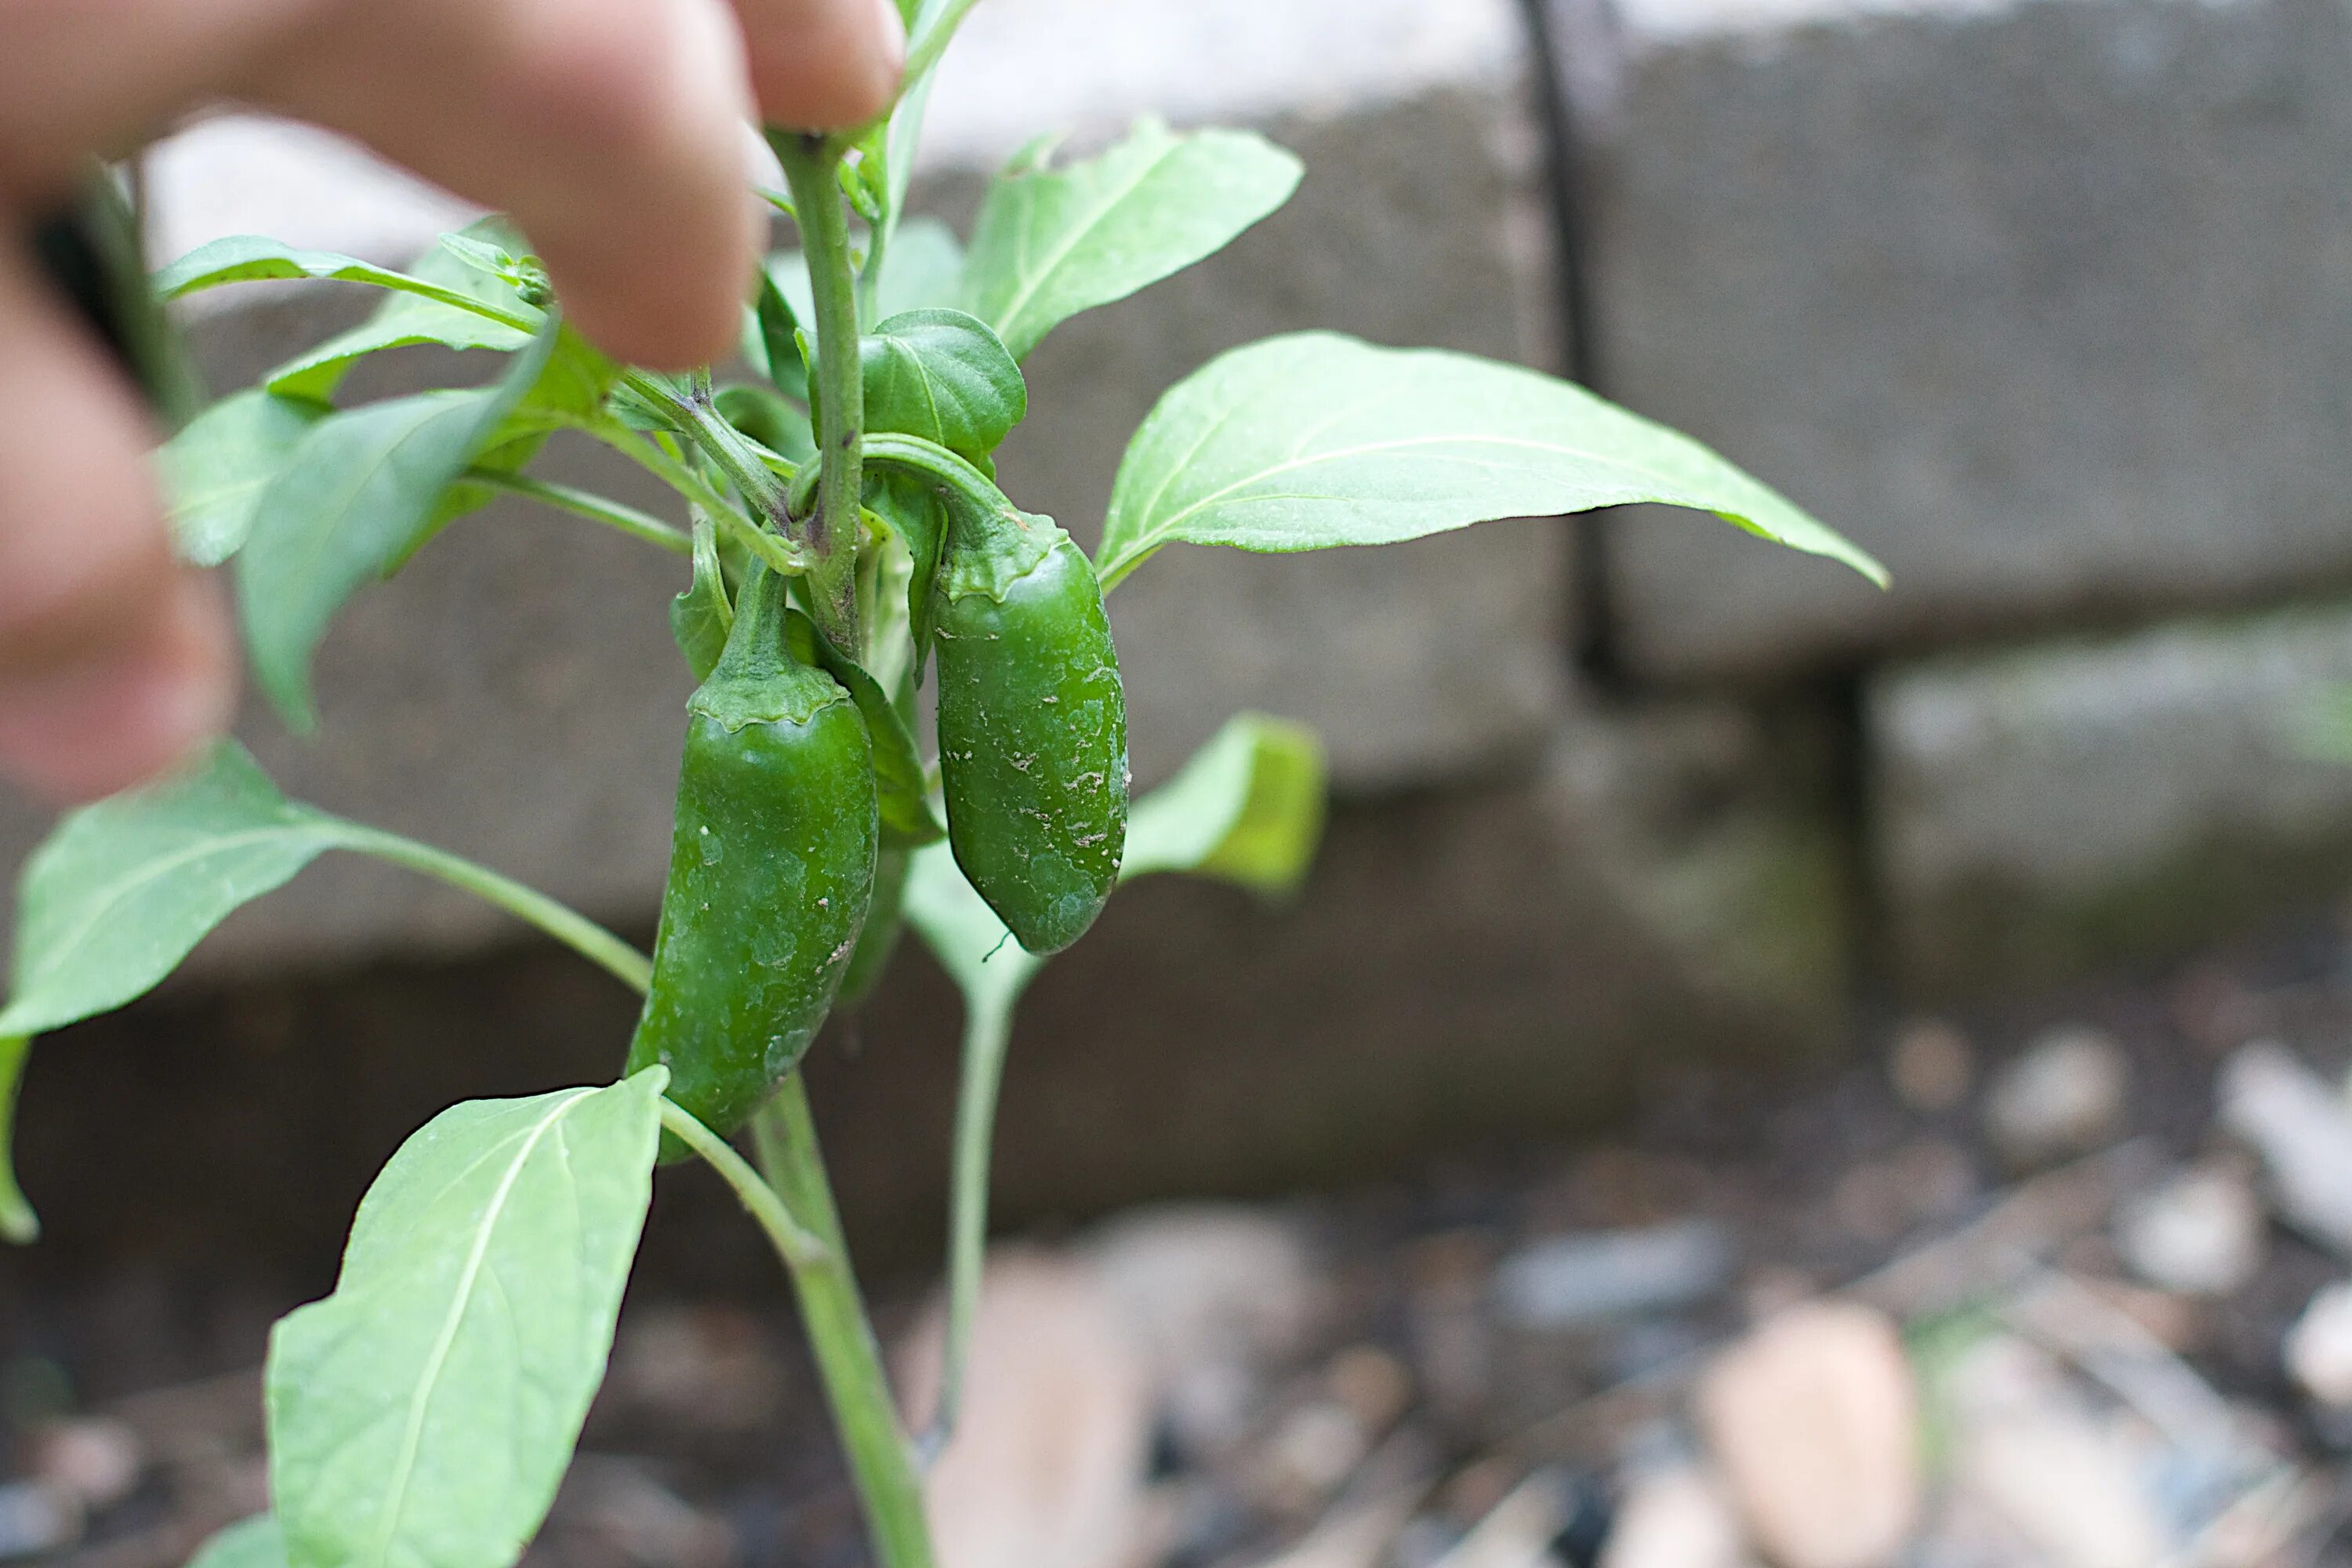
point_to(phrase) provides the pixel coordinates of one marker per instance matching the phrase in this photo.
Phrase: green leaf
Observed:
(1050, 243)
(363, 490)
(120, 891)
(943, 375)
(701, 616)
(922, 269)
(1314, 440)
(254, 1542)
(214, 471)
(423, 1415)
(768, 417)
(18, 1223)
(1248, 808)
(772, 340)
(472, 309)
(252, 258)
(964, 933)
(907, 819)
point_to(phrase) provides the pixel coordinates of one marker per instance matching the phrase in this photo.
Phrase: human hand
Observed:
(611, 129)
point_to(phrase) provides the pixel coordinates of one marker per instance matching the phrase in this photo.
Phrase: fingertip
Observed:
(824, 65)
(85, 731)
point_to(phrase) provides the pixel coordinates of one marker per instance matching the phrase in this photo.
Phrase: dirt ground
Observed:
(2019, 1286)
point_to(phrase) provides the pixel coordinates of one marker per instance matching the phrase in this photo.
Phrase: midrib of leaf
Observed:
(412, 1435)
(1036, 280)
(150, 871)
(1669, 491)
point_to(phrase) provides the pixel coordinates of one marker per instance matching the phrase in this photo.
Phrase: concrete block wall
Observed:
(2048, 303)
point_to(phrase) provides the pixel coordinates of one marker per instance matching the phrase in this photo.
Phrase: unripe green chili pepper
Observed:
(772, 864)
(1032, 727)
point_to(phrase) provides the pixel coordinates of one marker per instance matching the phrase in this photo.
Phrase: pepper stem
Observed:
(812, 166)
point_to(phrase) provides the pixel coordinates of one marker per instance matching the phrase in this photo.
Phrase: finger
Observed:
(114, 662)
(820, 64)
(610, 128)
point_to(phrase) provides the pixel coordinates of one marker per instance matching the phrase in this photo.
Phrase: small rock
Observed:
(1048, 1465)
(2030, 1453)
(36, 1518)
(1213, 1295)
(2200, 1233)
(1813, 1419)
(1675, 1519)
(97, 1461)
(1932, 1066)
(1925, 1179)
(2300, 1130)
(2063, 1097)
(1568, 1281)
(1310, 1452)
(1373, 1384)
(2318, 1350)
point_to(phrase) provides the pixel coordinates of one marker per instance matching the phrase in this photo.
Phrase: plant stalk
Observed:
(576, 930)
(811, 168)
(988, 1032)
(881, 1461)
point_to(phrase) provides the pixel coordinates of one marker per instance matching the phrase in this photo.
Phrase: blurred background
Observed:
(1764, 1071)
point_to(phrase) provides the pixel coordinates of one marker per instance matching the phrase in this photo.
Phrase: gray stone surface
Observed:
(2043, 811)
(2043, 302)
(1506, 961)
(513, 695)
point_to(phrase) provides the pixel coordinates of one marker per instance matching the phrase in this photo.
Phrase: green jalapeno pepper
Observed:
(1032, 727)
(772, 864)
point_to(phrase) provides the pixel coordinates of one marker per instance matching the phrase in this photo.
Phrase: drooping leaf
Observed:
(701, 616)
(361, 491)
(1314, 440)
(943, 375)
(120, 892)
(964, 933)
(214, 471)
(251, 1542)
(1247, 808)
(907, 819)
(423, 1415)
(1051, 243)
(407, 319)
(18, 1223)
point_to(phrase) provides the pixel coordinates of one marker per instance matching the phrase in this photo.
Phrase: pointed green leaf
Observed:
(363, 490)
(252, 258)
(469, 309)
(423, 1415)
(120, 891)
(922, 269)
(1247, 808)
(943, 375)
(254, 1542)
(18, 1223)
(1051, 243)
(1313, 440)
(701, 616)
(214, 471)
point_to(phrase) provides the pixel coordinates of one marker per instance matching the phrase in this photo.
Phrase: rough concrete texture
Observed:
(1501, 961)
(2042, 303)
(2041, 811)
(513, 694)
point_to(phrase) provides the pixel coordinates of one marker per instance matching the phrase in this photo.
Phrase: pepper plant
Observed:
(843, 534)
